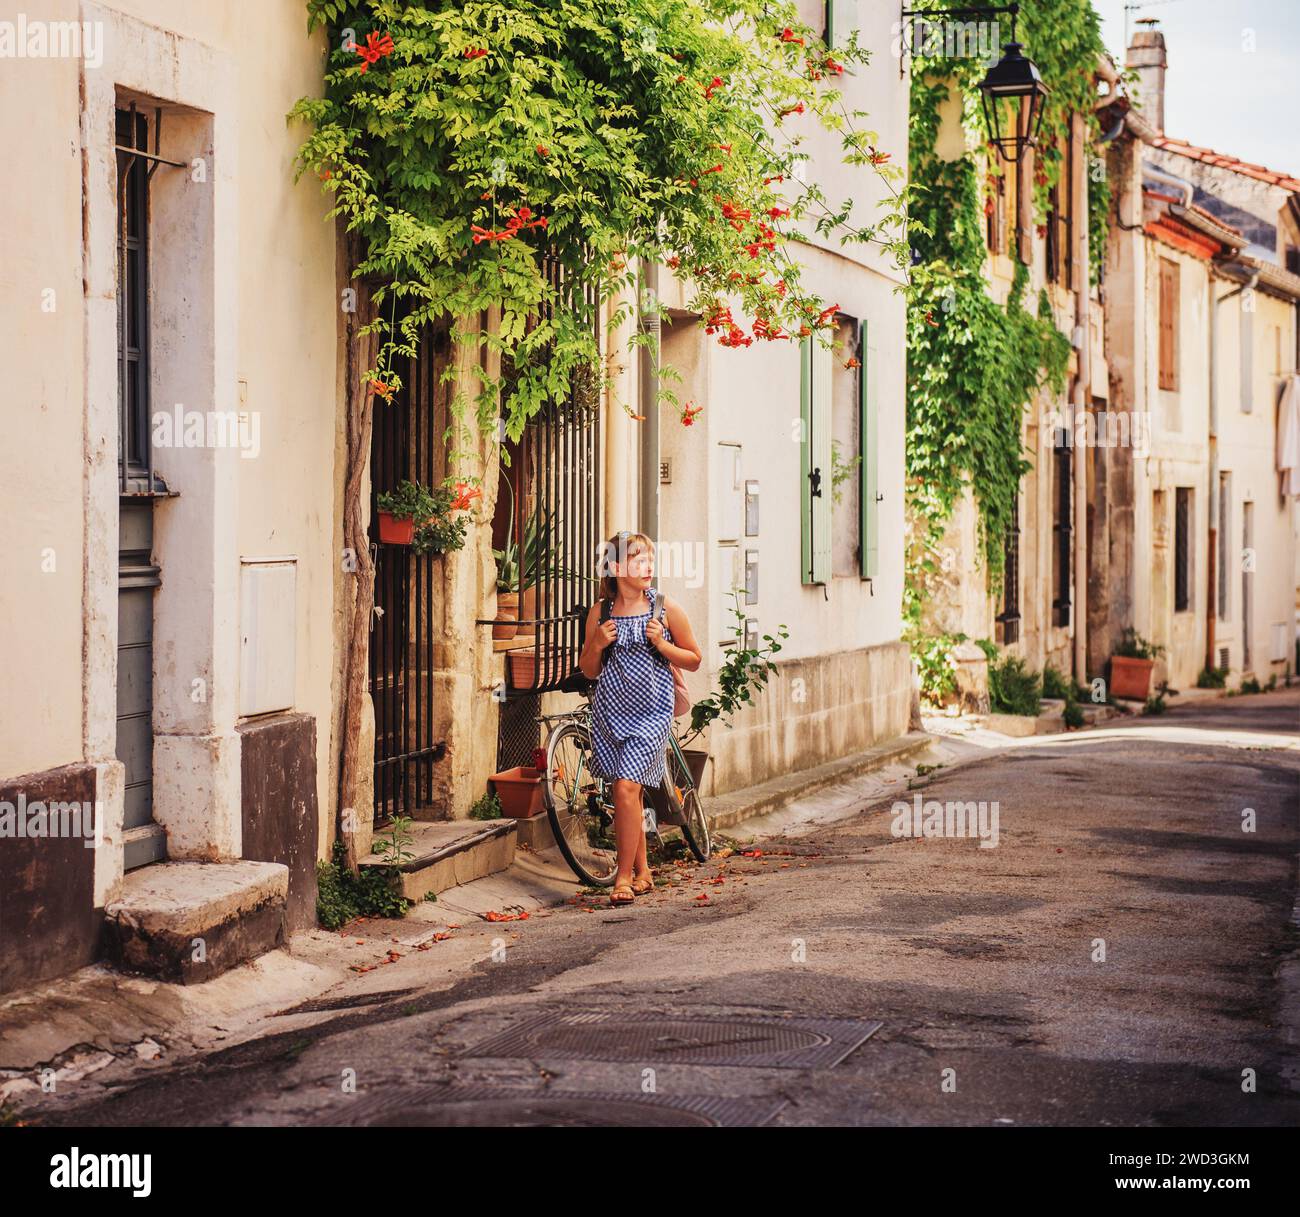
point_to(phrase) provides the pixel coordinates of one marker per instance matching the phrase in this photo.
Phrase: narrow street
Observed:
(965, 985)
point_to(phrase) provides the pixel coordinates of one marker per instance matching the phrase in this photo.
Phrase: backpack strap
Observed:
(606, 608)
(661, 606)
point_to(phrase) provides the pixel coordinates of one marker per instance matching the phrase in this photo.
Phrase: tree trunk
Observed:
(356, 657)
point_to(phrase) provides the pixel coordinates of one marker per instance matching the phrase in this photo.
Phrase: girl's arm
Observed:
(595, 639)
(685, 651)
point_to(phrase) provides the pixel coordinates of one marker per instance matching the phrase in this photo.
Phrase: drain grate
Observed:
(753, 1040)
(453, 1106)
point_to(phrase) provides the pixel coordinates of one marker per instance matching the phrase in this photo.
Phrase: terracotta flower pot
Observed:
(527, 609)
(523, 668)
(507, 616)
(1130, 677)
(396, 530)
(519, 791)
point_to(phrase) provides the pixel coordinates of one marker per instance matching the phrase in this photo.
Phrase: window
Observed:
(1008, 620)
(134, 450)
(1058, 223)
(1182, 549)
(995, 212)
(1247, 352)
(846, 450)
(1168, 324)
(815, 462)
(1224, 542)
(1061, 530)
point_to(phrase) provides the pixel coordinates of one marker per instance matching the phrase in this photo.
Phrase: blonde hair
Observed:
(619, 547)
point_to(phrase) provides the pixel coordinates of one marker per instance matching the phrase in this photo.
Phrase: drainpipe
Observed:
(1082, 396)
(648, 384)
(1179, 184)
(1211, 607)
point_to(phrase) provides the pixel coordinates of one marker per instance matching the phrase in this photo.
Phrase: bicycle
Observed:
(580, 804)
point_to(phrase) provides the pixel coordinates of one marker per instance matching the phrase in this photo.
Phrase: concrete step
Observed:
(187, 922)
(447, 853)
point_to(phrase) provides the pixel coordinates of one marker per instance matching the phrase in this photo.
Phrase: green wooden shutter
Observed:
(815, 461)
(830, 22)
(823, 360)
(805, 460)
(869, 466)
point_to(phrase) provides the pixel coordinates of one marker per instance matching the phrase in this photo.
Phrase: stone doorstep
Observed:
(726, 810)
(165, 912)
(449, 853)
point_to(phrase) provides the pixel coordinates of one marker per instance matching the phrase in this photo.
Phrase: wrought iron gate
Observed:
(406, 445)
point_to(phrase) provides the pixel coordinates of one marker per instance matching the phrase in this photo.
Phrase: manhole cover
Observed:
(444, 1106)
(754, 1040)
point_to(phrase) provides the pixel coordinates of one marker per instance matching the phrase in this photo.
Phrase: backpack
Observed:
(681, 696)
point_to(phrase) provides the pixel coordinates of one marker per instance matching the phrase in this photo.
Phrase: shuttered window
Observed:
(869, 470)
(1062, 526)
(815, 460)
(1008, 620)
(1168, 324)
(1182, 549)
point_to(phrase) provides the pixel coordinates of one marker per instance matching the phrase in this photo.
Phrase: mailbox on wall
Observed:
(751, 507)
(729, 490)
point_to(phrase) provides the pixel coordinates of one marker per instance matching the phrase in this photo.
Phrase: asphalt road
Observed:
(1114, 960)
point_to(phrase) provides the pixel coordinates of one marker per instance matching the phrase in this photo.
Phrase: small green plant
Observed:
(936, 665)
(744, 674)
(841, 470)
(1073, 716)
(342, 896)
(392, 846)
(1133, 646)
(1212, 678)
(1014, 688)
(1056, 686)
(1155, 705)
(410, 501)
(1250, 685)
(486, 807)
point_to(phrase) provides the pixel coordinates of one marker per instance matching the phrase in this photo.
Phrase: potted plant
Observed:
(743, 674)
(518, 790)
(399, 511)
(507, 591)
(1131, 664)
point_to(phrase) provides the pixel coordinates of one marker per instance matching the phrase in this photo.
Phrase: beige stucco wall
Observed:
(264, 301)
(1247, 450)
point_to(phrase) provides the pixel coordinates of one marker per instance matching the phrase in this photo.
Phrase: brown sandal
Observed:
(615, 898)
(642, 885)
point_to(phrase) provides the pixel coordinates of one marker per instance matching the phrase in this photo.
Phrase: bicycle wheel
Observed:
(579, 807)
(680, 788)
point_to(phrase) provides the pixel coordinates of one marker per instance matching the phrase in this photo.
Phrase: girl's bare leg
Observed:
(629, 828)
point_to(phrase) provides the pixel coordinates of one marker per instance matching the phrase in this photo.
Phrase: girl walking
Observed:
(628, 655)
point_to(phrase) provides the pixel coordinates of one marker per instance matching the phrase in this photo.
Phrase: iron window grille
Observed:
(1062, 531)
(1182, 553)
(136, 166)
(1008, 620)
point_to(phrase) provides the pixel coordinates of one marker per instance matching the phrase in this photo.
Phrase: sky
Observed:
(1233, 82)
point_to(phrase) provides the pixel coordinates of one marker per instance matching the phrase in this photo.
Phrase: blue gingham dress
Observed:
(632, 711)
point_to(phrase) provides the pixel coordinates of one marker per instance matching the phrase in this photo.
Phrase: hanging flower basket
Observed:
(396, 530)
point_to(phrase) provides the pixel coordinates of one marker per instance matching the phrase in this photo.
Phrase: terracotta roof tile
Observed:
(1209, 157)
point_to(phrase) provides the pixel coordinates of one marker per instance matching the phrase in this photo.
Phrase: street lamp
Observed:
(1014, 77)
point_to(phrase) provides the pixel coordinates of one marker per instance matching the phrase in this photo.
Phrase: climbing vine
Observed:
(973, 364)
(467, 143)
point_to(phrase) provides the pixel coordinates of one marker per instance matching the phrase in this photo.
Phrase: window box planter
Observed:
(523, 667)
(519, 791)
(396, 530)
(1130, 678)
